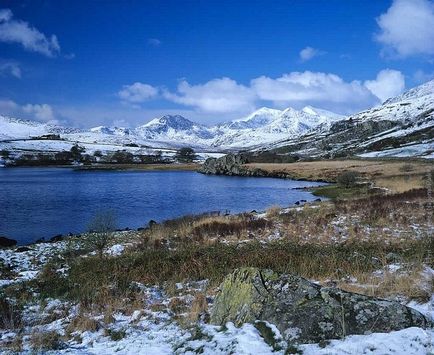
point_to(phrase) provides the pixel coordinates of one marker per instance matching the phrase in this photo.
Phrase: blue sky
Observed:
(88, 63)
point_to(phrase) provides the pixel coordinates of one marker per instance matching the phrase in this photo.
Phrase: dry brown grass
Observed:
(409, 283)
(199, 307)
(204, 229)
(273, 211)
(45, 341)
(83, 322)
(388, 174)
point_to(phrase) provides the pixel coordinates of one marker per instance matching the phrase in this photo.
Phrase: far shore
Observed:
(139, 167)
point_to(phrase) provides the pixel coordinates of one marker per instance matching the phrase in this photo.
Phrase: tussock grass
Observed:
(338, 241)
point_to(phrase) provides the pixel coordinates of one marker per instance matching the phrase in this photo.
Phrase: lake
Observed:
(43, 202)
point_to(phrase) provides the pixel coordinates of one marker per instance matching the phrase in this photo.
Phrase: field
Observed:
(395, 175)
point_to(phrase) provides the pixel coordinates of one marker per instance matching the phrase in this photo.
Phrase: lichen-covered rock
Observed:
(303, 311)
(230, 164)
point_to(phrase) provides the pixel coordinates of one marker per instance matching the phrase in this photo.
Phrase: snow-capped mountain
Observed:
(174, 128)
(402, 126)
(400, 122)
(265, 125)
(14, 128)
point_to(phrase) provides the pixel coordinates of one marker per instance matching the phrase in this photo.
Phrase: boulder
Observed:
(230, 164)
(7, 242)
(305, 312)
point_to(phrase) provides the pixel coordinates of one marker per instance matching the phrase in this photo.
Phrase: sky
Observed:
(91, 63)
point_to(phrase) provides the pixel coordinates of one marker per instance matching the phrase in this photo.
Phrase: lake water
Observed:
(43, 202)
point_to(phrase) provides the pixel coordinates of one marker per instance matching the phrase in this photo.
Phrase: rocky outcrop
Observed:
(7, 242)
(305, 312)
(230, 164)
(233, 164)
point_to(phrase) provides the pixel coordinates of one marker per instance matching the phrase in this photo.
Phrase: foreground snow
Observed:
(153, 331)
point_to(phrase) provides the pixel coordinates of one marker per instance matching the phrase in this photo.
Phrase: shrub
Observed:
(76, 152)
(10, 315)
(122, 157)
(185, 155)
(101, 228)
(4, 154)
(348, 179)
(406, 168)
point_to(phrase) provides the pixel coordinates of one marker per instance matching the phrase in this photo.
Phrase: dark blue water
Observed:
(43, 202)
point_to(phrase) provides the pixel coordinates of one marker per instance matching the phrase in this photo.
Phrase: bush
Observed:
(101, 228)
(348, 179)
(10, 315)
(122, 157)
(4, 154)
(185, 155)
(76, 152)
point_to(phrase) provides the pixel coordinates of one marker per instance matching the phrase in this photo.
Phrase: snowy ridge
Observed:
(262, 126)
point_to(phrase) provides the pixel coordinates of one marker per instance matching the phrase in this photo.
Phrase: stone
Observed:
(7, 242)
(305, 312)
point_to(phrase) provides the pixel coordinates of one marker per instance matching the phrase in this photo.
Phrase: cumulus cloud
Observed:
(10, 68)
(389, 83)
(138, 92)
(296, 89)
(43, 112)
(314, 88)
(217, 95)
(407, 28)
(308, 53)
(21, 32)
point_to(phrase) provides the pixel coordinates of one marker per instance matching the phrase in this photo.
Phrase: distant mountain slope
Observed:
(262, 126)
(401, 126)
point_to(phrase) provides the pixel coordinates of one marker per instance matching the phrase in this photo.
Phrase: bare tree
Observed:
(100, 230)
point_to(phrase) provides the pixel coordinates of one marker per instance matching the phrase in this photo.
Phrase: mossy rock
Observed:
(305, 312)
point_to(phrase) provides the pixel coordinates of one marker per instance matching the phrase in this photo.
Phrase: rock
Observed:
(22, 249)
(57, 238)
(297, 203)
(305, 312)
(230, 164)
(317, 200)
(7, 242)
(152, 223)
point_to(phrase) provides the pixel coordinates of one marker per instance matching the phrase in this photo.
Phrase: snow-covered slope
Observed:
(402, 126)
(262, 126)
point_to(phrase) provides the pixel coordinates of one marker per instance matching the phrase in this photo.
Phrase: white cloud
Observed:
(154, 42)
(407, 28)
(308, 53)
(138, 92)
(217, 96)
(389, 83)
(17, 31)
(226, 97)
(7, 107)
(314, 88)
(10, 68)
(43, 112)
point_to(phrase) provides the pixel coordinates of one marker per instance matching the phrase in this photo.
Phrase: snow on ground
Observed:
(422, 150)
(157, 332)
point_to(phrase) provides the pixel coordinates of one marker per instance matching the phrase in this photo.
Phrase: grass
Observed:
(336, 191)
(347, 238)
(396, 175)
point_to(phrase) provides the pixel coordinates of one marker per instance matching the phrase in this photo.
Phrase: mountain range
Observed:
(401, 126)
